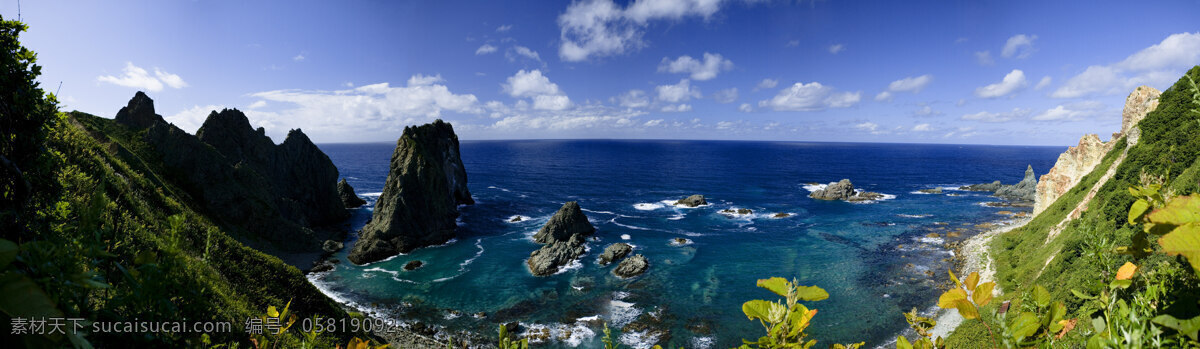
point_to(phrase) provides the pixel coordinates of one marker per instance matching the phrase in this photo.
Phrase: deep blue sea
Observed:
(872, 258)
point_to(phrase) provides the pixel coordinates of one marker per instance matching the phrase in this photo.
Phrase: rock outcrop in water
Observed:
(1081, 159)
(632, 266)
(692, 201)
(988, 187)
(349, 198)
(275, 198)
(843, 190)
(1023, 191)
(563, 237)
(420, 198)
(614, 252)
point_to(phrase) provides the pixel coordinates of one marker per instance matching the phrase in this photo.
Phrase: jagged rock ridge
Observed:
(274, 195)
(419, 204)
(563, 236)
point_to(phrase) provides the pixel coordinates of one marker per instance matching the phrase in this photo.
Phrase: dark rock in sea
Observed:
(931, 191)
(564, 235)
(346, 192)
(567, 222)
(865, 196)
(615, 252)
(632, 266)
(413, 265)
(988, 187)
(331, 246)
(680, 241)
(732, 212)
(139, 112)
(781, 215)
(281, 200)
(516, 219)
(1023, 191)
(322, 266)
(692, 201)
(839, 190)
(420, 198)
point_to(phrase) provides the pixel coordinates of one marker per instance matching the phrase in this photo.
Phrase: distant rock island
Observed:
(692, 201)
(1019, 194)
(563, 237)
(843, 190)
(349, 198)
(419, 204)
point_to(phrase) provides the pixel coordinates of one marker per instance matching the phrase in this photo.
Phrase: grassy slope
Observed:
(107, 176)
(1169, 146)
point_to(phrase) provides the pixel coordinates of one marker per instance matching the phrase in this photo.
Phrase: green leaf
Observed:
(8, 252)
(971, 281)
(1138, 209)
(967, 309)
(811, 293)
(1098, 324)
(1120, 284)
(1041, 296)
(902, 343)
(776, 284)
(1082, 295)
(21, 297)
(1184, 240)
(1057, 312)
(770, 312)
(1024, 325)
(1179, 211)
(1189, 327)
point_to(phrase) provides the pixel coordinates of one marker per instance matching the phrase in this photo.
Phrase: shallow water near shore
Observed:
(873, 258)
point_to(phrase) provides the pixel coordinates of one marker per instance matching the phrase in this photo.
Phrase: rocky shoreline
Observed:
(971, 255)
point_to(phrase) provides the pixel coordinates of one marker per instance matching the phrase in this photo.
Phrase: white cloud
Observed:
(1043, 83)
(136, 77)
(532, 84)
(298, 58)
(679, 92)
(672, 108)
(549, 102)
(603, 28)
(767, 84)
(633, 99)
(1012, 82)
(588, 118)
(961, 132)
(726, 96)
(984, 58)
(745, 108)
(257, 104)
(883, 96)
(871, 127)
(810, 96)
(701, 70)
(912, 84)
(922, 128)
(653, 123)
(1071, 112)
(834, 49)
(1159, 64)
(424, 80)
(504, 28)
(1019, 46)
(984, 116)
(522, 51)
(926, 110)
(485, 49)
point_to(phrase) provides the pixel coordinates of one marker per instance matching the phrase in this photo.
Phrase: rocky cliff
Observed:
(349, 198)
(419, 204)
(1022, 192)
(274, 196)
(1081, 159)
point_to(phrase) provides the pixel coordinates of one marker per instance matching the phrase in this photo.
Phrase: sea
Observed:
(876, 259)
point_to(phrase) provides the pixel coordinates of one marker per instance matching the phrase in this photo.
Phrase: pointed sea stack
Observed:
(420, 199)
(346, 192)
(564, 236)
(139, 113)
(1024, 191)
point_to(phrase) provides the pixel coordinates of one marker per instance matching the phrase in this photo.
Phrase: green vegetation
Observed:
(93, 229)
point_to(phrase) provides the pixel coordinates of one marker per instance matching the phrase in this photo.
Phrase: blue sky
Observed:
(994, 72)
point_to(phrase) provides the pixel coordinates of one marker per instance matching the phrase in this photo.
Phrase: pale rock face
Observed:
(1139, 103)
(1081, 159)
(1071, 166)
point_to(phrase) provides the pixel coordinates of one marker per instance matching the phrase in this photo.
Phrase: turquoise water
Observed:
(871, 257)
